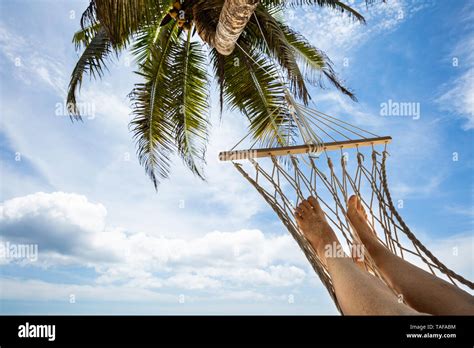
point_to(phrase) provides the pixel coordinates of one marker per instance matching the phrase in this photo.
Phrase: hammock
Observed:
(284, 175)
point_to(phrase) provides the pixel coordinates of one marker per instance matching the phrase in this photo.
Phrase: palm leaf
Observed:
(315, 62)
(145, 40)
(333, 4)
(250, 83)
(170, 106)
(151, 128)
(264, 31)
(92, 61)
(122, 18)
(187, 101)
(83, 37)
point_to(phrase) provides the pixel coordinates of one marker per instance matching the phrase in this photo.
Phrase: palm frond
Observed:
(315, 62)
(89, 17)
(263, 29)
(332, 4)
(250, 83)
(171, 105)
(151, 128)
(122, 18)
(145, 39)
(83, 37)
(92, 61)
(187, 101)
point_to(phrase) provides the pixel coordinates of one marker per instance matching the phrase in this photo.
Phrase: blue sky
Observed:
(106, 239)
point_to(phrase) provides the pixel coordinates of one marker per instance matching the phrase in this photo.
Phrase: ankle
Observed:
(324, 241)
(377, 251)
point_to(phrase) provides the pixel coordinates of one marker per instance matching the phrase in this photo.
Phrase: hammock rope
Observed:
(412, 237)
(287, 174)
(284, 176)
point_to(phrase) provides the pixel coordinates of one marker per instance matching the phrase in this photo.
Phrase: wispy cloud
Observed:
(29, 65)
(338, 34)
(463, 211)
(419, 190)
(457, 96)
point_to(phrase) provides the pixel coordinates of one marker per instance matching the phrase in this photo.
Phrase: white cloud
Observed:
(193, 281)
(151, 301)
(61, 224)
(71, 230)
(70, 208)
(16, 289)
(222, 263)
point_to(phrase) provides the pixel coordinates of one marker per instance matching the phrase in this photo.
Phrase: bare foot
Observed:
(358, 219)
(312, 222)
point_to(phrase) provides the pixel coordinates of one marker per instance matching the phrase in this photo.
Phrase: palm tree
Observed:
(248, 46)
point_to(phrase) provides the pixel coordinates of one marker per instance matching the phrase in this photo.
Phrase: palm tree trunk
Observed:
(234, 17)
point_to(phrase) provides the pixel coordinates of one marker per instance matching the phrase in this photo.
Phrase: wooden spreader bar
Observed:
(299, 149)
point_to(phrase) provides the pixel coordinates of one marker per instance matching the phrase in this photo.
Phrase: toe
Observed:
(360, 207)
(299, 212)
(352, 203)
(301, 209)
(298, 218)
(305, 204)
(314, 203)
